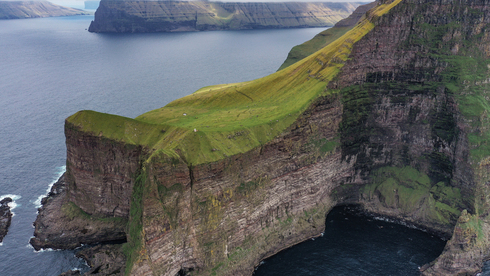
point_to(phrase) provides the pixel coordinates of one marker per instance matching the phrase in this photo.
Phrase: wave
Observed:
(59, 172)
(12, 204)
(40, 250)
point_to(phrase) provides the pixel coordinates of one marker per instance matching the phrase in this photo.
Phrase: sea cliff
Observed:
(34, 9)
(174, 16)
(392, 115)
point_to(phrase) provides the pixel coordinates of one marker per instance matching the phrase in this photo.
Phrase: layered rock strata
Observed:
(172, 16)
(5, 217)
(400, 126)
(34, 9)
(60, 224)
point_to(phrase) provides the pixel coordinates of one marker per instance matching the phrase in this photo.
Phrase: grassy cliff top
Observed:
(223, 120)
(326, 37)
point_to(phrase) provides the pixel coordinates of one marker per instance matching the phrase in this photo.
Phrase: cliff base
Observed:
(62, 225)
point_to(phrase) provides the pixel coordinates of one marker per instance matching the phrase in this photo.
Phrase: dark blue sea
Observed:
(51, 68)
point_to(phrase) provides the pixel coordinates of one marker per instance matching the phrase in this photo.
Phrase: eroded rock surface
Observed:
(62, 225)
(5, 217)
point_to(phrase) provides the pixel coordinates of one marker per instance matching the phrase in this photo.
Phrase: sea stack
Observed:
(5, 217)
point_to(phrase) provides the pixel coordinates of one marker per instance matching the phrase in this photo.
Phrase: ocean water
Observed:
(53, 67)
(356, 244)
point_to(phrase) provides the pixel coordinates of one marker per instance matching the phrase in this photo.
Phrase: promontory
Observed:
(393, 115)
(173, 16)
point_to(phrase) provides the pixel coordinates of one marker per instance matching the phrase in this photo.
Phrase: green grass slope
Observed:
(326, 37)
(224, 120)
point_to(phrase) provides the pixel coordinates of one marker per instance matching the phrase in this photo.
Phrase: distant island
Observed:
(34, 9)
(174, 16)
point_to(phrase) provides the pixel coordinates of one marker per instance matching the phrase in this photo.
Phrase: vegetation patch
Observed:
(320, 40)
(72, 211)
(132, 249)
(411, 190)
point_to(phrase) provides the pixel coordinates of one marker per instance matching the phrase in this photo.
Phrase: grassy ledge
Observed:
(224, 120)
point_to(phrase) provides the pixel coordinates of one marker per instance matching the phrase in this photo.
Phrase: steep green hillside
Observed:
(326, 37)
(224, 120)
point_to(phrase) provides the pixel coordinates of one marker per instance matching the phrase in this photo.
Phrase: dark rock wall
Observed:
(228, 215)
(112, 165)
(398, 110)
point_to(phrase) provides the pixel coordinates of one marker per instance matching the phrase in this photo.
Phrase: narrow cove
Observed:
(357, 244)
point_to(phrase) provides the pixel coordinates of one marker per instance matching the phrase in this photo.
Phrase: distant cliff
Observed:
(34, 9)
(173, 16)
(393, 115)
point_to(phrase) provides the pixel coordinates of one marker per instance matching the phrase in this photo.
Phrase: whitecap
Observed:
(59, 172)
(1, 243)
(12, 204)
(40, 250)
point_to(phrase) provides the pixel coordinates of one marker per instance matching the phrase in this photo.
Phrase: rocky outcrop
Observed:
(34, 9)
(173, 16)
(5, 217)
(398, 123)
(104, 259)
(60, 224)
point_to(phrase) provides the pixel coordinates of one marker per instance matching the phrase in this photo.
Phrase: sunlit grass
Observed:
(223, 120)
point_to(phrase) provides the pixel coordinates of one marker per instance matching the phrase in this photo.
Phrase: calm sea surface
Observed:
(51, 68)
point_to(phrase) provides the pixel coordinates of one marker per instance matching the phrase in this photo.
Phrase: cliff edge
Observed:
(392, 115)
(176, 16)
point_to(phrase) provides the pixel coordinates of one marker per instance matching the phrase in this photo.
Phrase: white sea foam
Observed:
(400, 222)
(12, 204)
(1, 243)
(59, 172)
(40, 250)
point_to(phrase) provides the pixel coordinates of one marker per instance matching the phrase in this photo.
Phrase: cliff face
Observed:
(34, 9)
(171, 16)
(396, 120)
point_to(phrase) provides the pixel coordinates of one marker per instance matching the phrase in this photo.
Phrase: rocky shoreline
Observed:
(60, 225)
(5, 217)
